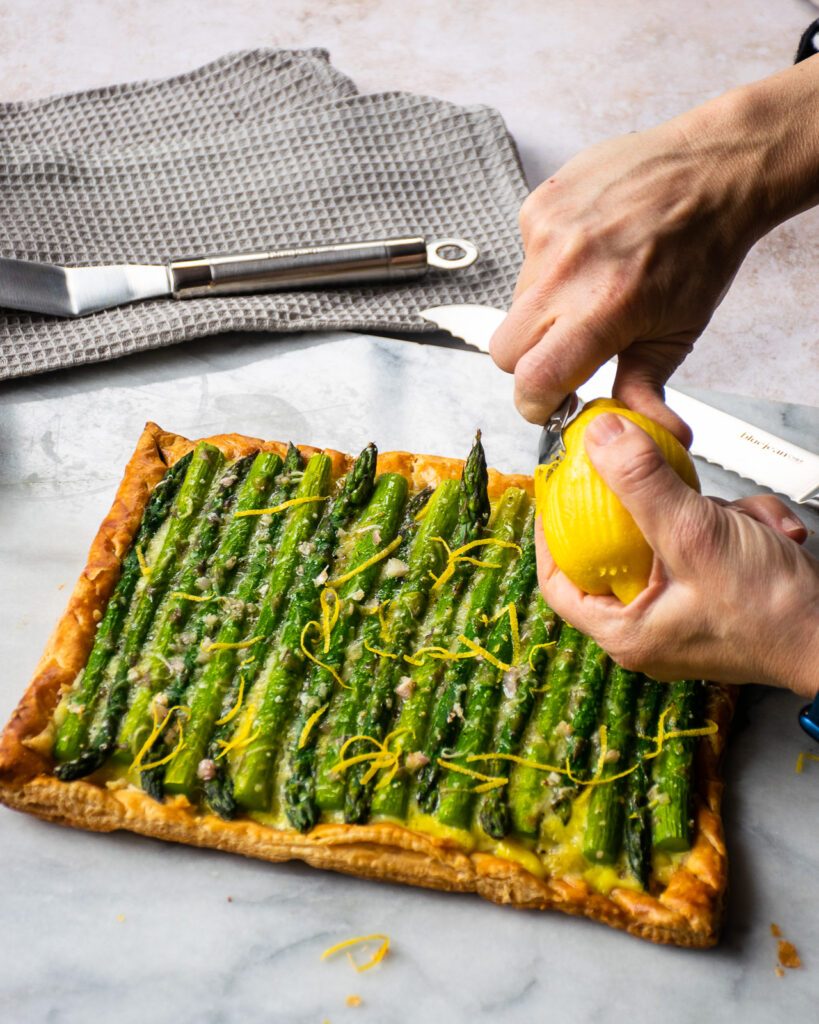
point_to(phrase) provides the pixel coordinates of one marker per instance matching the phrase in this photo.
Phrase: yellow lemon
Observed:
(591, 536)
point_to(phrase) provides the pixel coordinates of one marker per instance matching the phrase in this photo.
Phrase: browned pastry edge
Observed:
(687, 913)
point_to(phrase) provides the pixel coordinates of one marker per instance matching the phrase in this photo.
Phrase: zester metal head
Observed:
(551, 439)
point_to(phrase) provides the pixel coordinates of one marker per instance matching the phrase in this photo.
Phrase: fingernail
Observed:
(604, 429)
(790, 525)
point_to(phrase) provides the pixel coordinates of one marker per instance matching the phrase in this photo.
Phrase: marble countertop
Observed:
(97, 927)
(565, 74)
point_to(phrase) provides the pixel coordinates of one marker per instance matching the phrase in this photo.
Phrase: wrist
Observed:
(763, 146)
(797, 665)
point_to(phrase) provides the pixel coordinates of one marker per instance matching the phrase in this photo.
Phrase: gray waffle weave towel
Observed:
(260, 149)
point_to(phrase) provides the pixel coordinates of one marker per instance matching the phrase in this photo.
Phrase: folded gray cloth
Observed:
(257, 150)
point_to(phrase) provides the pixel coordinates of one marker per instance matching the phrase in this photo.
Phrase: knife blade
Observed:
(719, 437)
(78, 291)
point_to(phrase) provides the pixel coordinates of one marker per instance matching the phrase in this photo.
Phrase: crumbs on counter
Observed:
(230, 899)
(800, 761)
(121, 918)
(353, 1000)
(786, 952)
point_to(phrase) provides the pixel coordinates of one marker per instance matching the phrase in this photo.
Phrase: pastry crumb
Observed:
(230, 899)
(788, 957)
(353, 1000)
(776, 931)
(121, 918)
(779, 972)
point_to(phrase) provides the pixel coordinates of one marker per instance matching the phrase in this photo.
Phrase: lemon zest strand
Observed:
(242, 737)
(458, 555)
(292, 503)
(533, 652)
(144, 568)
(329, 614)
(380, 556)
(221, 646)
(376, 958)
(311, 657)
(493, 780)
(235, 709)
(155, 733)
(377, 650)
(800, 763)
(308, 725)
(481, 652)
(438, 653)
(191, 597)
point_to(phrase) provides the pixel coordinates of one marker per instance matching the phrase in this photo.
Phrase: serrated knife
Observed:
(719, 437)
(78, 291)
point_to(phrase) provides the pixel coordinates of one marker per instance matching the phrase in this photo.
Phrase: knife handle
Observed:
(385, 260)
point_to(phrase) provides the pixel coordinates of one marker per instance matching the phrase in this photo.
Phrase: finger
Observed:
(567, 355)
(768, 509)
(642, 371)
(526, 322)
(672, 516)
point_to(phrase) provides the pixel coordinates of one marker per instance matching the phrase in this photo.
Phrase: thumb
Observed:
(628, 460)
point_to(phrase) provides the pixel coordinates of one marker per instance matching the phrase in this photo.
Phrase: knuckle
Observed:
(641, 466)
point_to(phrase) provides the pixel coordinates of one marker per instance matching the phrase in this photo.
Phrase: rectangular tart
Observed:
(291, 654)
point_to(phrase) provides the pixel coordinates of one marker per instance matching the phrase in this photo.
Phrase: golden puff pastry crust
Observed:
(687, 912)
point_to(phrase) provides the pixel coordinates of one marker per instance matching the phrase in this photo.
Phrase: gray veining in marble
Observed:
(121, 928)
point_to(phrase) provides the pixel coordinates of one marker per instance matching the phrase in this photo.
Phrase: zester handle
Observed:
(382, 260)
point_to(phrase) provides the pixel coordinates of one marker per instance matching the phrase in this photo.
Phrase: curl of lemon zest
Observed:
(800, 764)
(242, 737)
(308, 725)
(144, 568)
(438, 653)
(316, 661)
(235, 709)
(812, 757)
(330, 611)
(489, 781)
(220, 646)
(376, 958)
(155, 733)
(481, 652)
(292, 503)
(380, 556)
(377, 650)
(191, 597)
(421, 514)
(454, 557)
(247, 661)
(381, 757)
(533, 652)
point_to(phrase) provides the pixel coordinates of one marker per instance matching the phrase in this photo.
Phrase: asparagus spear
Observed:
(425, 560)
(527, 790)
(484, 688)
(437, 631)
(604, 823)
(375, 529)
(72, 730)
(541, 629)
(671, 792)
(637, 824)
(207, 690)
(447, 715)
(221, 570)
(206, 462)
(253, 773)
(348, 706)
(584, 708)
(154, 667)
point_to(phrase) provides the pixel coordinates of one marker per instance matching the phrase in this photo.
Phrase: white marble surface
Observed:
(564, 73)
(115, 927)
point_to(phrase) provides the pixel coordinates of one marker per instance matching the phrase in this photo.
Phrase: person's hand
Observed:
(630, 246)
(732, 596)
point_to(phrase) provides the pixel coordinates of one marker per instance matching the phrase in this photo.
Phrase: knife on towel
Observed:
(719, 437)
(77, 291)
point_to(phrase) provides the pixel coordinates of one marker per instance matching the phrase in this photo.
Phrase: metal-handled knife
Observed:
(76, 291)
(719, 437)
